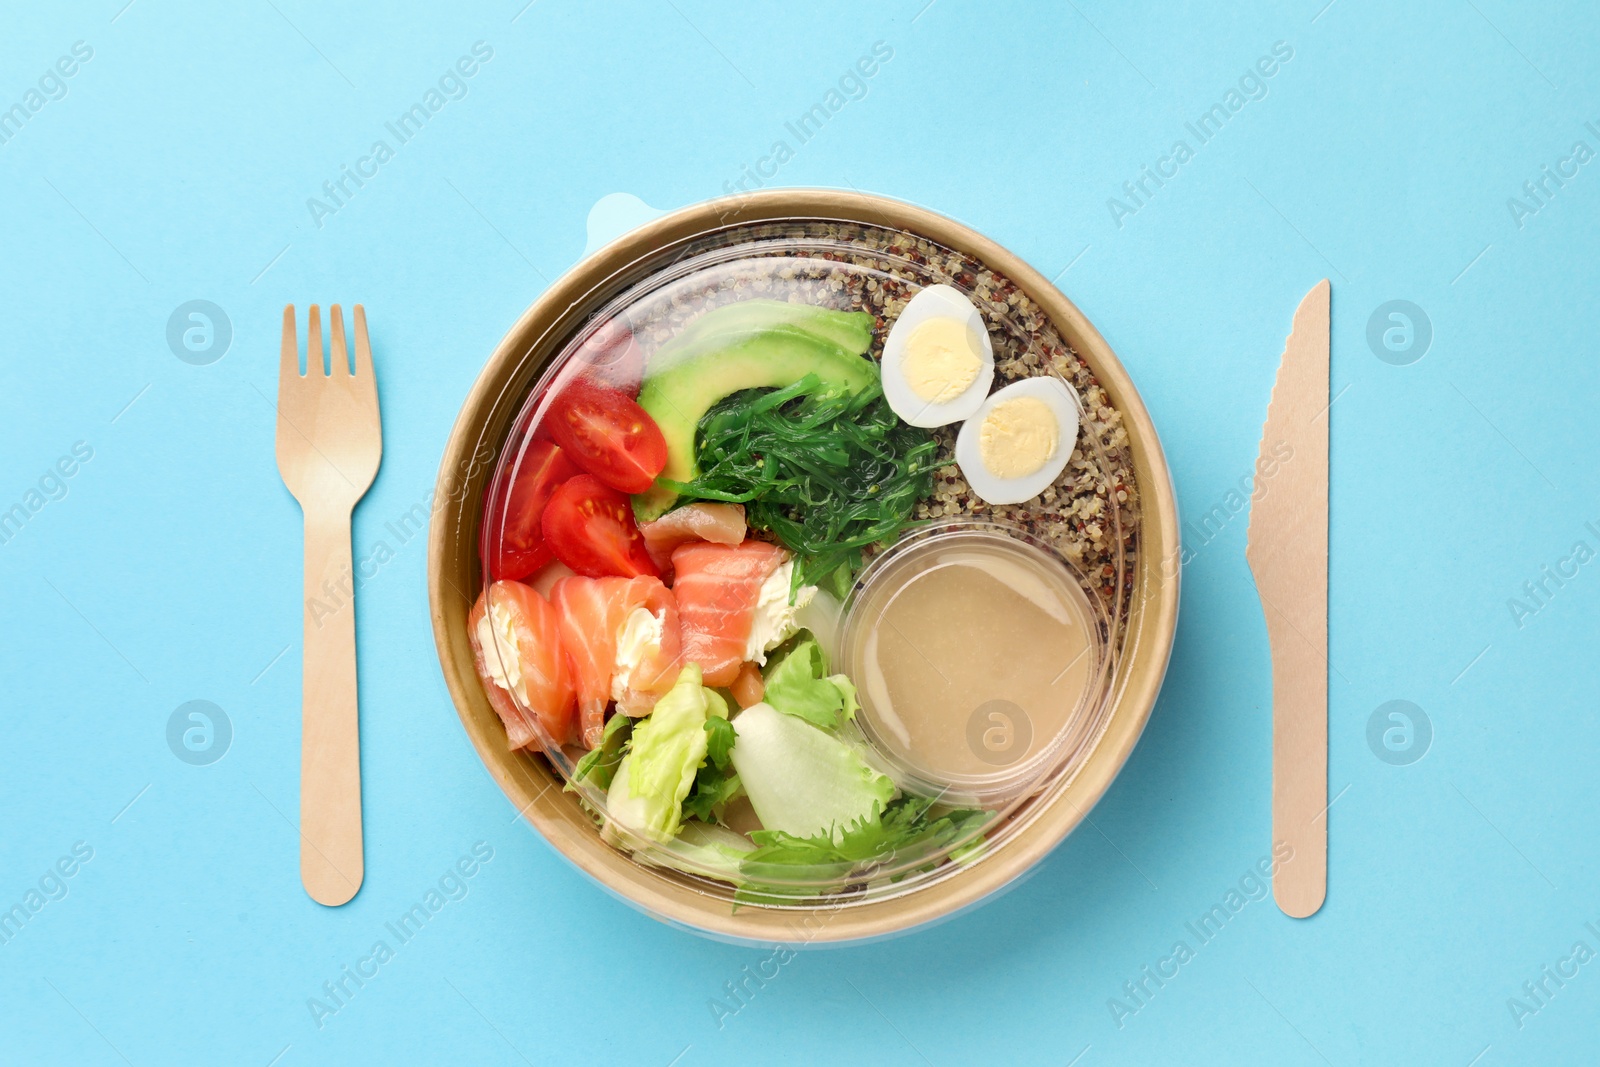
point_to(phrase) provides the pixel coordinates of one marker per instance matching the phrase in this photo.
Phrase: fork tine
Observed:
(363, 346)
(289, 354)
(315, 363)
(338, 358)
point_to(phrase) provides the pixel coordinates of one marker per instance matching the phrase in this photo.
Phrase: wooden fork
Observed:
(329, 445)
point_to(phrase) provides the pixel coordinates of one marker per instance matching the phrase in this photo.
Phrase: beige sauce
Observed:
(980, 657)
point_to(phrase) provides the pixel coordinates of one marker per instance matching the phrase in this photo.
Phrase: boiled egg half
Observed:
(1019, 440)
(938, 362)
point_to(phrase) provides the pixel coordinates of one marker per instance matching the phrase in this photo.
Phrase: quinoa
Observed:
(1089, 514)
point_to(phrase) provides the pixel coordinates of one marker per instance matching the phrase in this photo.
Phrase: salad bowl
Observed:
(1140, 590)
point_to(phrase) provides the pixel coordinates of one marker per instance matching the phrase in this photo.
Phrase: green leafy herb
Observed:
(713, 788)
(825, 472)
(715, 783)
(599, 764)
(720, 742)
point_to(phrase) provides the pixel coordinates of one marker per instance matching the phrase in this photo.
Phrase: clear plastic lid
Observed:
(1030, 597)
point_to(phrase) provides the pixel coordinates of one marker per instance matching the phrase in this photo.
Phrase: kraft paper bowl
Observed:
(534, 788)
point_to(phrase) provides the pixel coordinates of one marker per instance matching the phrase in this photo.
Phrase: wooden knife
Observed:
(1287, 550)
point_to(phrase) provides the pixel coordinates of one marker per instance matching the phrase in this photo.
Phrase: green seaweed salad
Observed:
(826, 473)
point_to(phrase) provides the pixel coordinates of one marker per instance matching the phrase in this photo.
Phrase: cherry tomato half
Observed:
(590, 528)
(607, 434)
(516, 547)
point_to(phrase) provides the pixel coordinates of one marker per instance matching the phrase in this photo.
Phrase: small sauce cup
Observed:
(981, 660)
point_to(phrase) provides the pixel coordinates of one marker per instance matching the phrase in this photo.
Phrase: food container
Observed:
(996, 745)
(870, 240)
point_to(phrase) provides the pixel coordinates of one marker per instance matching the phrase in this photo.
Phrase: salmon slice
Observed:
(717, 589)
(592, 613)
(522, 662)
(721, 524)
(748, 688)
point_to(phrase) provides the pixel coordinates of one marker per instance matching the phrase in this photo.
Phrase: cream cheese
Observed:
(638, 636)
(497, 636)
(775, 613)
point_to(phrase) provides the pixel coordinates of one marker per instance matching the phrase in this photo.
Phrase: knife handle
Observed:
(1299, 763)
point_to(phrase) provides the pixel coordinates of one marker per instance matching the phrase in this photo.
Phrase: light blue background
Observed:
(178, 167)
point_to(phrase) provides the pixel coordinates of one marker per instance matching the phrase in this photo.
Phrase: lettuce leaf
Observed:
(664, 754)
(903, 825)
(705, 850)
(786, 866)
(795, 684)
(847, 691)
(800, 779)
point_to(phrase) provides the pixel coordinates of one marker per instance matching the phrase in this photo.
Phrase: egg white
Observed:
(1063, 403)
(935, 302)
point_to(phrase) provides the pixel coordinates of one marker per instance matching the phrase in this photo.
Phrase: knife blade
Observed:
(1287, 549)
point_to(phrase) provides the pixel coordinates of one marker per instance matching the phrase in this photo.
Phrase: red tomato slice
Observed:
(590, 528)
(607, 434)
(516, 547)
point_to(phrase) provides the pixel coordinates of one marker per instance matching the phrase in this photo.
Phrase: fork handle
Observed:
(331, 866)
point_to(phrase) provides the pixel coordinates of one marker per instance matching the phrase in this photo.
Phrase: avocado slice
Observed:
(754, 344)
(850, 330)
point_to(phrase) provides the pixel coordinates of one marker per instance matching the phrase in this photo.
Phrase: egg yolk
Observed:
(940, 360)
(1018, 437)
